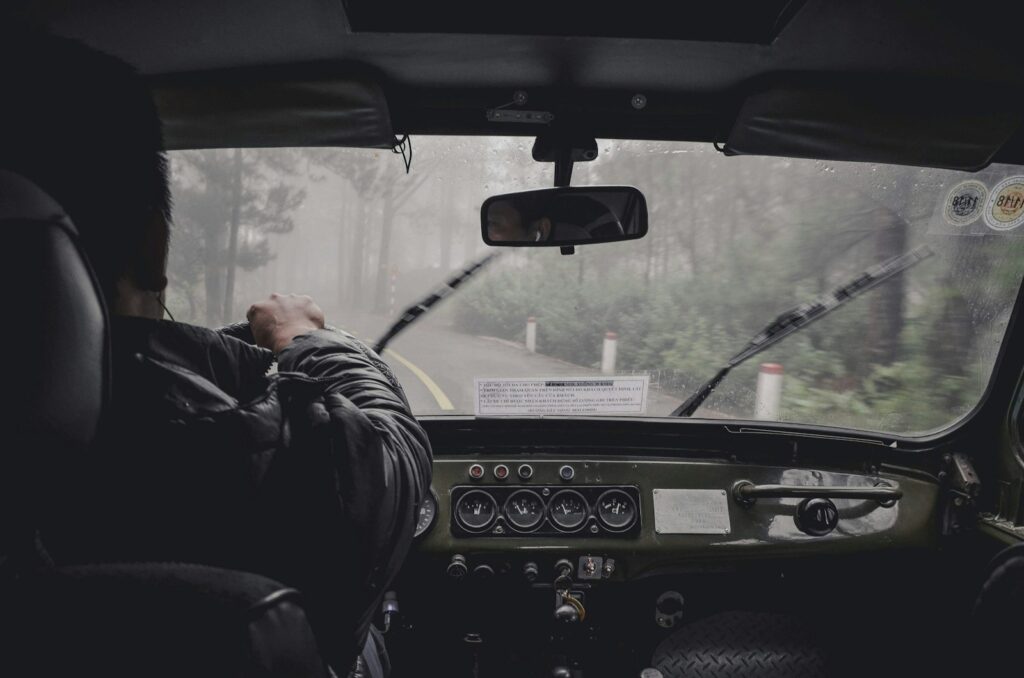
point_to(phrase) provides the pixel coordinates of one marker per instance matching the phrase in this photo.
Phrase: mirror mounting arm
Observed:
(563, 167)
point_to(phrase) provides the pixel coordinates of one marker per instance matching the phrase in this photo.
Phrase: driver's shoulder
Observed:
(230, 363)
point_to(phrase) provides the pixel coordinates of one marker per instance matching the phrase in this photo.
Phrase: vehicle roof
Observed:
(442, 69)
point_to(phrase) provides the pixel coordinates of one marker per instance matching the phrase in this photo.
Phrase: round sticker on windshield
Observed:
(1004, 210)
(965, 202)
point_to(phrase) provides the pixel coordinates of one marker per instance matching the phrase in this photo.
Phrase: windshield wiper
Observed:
(800, 317)
(411, 314)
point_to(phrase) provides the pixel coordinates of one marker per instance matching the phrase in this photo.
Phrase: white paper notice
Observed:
(561, 395)
(691, 512)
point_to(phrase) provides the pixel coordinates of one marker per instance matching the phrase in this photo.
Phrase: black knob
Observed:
(530, 571)
(567, 613)
(457, 568)
(670, 604)
(483, 572)
(561, 672)
(817, 517)
(563, 568)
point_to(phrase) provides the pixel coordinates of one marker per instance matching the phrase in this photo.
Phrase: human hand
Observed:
(276, 321)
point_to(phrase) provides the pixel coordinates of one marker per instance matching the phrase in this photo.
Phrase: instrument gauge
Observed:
(427, 514)
(616, 510)
(568, 510)
(524, 509)
(476, 510)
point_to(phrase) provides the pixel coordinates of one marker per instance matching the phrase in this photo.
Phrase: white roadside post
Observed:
(769, 392)
(531, 334)
(611, 340)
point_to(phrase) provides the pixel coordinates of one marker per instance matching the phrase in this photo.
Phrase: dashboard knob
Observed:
(816, 517)
(483, 572)
(530, 571)
(563, 568)
(567, 473)
(457, 568)
(567, 614)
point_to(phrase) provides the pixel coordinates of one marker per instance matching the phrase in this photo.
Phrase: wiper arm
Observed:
(800, 317)
(411, 314)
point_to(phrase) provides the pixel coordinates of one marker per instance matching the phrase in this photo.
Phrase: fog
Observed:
(732, 243)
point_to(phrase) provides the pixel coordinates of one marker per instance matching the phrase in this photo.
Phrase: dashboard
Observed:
(625, 517)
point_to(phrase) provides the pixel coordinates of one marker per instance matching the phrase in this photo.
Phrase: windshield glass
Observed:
(732, 243)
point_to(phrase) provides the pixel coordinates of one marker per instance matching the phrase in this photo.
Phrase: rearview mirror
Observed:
(559, 217)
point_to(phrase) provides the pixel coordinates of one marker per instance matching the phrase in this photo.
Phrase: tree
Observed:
(377, 180)
(226, 204)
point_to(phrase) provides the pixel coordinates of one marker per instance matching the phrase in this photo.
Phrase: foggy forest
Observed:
(733, 242)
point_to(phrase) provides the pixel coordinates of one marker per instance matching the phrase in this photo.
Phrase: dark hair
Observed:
(83, 126)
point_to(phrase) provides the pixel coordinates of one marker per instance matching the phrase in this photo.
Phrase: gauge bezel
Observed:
(503, 529)
(432, 496)
(490, 523)
(596, 510)
(588, 511)
(508, 515)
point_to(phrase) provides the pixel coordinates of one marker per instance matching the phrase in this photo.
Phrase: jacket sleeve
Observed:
(382, 454)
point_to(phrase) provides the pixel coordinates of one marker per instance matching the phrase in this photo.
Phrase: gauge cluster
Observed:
(537, 511)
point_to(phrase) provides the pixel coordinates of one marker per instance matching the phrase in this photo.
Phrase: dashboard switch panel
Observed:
(510, 511)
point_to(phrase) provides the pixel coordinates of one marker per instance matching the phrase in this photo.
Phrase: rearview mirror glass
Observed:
(557, 217)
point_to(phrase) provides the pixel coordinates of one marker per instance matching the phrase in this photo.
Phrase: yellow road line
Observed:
(435, 390)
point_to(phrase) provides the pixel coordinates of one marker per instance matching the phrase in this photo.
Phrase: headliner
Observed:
(443, 82)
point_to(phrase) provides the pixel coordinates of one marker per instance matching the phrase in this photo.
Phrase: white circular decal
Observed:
(1004, 210)
(965, 202)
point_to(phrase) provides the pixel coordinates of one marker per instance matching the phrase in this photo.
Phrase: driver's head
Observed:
(82, 125)
(522, 221)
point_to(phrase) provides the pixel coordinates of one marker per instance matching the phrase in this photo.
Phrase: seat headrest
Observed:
(55, 326)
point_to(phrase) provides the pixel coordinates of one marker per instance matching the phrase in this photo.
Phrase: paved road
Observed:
(437, 366)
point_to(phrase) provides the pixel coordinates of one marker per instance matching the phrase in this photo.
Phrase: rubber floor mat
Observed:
(741, 645)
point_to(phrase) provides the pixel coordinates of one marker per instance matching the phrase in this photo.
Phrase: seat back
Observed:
(110, 619)
(55, 352)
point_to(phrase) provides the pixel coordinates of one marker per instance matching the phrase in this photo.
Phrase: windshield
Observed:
(732, 243)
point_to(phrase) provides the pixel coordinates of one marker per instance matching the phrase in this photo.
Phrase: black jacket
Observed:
(312, 476)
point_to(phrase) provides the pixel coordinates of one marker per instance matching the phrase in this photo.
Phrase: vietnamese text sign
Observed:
(562, 395)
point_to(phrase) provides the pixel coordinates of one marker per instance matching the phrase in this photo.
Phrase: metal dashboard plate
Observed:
(691, 511)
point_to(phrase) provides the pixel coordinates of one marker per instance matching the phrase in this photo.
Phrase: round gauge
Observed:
(476, 510)
(426, 515)
(524, 509)
(568, 510)
(616, 510)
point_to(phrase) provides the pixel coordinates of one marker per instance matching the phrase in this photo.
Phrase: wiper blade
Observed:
(800, 317)
(413, 313)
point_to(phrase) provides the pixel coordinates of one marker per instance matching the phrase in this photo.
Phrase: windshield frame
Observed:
(924, 440)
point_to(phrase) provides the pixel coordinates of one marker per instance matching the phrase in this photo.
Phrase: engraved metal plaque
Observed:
(691, 512)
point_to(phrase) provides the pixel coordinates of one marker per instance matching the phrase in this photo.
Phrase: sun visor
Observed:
(933, 124)
(253, 113)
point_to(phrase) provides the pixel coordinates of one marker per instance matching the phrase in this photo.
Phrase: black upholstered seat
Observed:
(109, 619)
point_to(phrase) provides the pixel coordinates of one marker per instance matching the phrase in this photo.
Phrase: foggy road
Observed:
(437, 366)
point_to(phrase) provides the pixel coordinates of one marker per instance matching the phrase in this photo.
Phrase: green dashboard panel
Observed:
(766, 530)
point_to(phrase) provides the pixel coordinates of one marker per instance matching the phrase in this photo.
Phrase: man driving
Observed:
(312, 476)
(542, 216)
